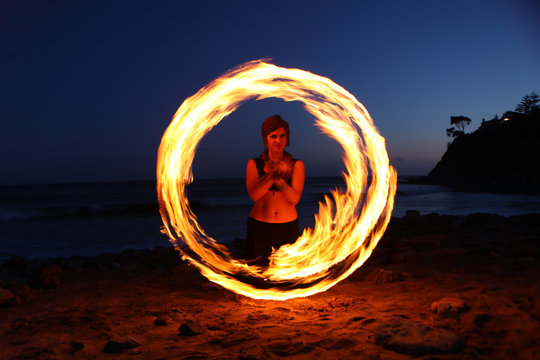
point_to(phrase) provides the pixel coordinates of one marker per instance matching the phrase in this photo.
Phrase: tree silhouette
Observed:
(460, 122)
(529, 104)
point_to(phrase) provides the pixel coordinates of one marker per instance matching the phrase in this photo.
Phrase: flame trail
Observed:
(348, 225)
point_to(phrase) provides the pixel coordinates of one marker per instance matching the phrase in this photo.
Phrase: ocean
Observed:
(62, 220)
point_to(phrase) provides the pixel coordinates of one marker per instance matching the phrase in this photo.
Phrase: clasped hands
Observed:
(276, 171)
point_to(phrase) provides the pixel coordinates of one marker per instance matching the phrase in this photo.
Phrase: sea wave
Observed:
(415, 189)
(10, 214)
(45, 211)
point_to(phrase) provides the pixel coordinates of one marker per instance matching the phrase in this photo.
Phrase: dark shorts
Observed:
(262, 237)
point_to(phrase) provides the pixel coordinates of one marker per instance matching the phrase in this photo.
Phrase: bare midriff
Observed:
(272, 207)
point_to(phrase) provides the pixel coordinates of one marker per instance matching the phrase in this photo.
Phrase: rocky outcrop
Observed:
(500, 156)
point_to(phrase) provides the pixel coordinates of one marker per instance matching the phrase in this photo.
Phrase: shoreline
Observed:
(468, 282)
(480, 185)
(427, 222)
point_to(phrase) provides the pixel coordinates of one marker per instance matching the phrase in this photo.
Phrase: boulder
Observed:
(75, 346)
(51, 276)
(383, 276)
(117, 346)
(412, 214)
(161, 321)
(6, 296)
(191, 328)
(410, 337)
(449, 307)
(288, 348)
(23, 293)
(17, 266)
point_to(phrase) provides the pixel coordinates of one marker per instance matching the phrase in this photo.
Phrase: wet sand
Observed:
(436, 287)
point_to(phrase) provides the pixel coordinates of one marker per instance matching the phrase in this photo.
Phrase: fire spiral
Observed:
(349, 224)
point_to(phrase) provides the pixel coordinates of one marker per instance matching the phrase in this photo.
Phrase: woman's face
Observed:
(277, 140)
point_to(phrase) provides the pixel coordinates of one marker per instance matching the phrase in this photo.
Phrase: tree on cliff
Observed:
(500, 156)
(460, 122)
(529, 104)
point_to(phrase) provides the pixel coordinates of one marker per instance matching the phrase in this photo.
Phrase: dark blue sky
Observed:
(89, 87)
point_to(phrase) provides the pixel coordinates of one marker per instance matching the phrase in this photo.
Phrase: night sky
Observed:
(89, 87)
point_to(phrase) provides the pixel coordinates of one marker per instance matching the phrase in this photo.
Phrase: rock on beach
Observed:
(449, 307)
(191, 328)
(6, 296)
(414, 338)
(117, 346)
(51, 276)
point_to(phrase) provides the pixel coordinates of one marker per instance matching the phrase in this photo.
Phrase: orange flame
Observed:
(347, 227)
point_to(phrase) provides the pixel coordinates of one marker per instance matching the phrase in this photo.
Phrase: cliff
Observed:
(500, 156)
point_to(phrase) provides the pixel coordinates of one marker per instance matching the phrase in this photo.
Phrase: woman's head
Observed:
(272, 124)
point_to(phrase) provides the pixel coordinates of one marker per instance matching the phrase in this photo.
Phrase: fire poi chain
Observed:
(346, 229)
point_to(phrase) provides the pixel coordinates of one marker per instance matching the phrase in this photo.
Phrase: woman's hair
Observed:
(273, 123)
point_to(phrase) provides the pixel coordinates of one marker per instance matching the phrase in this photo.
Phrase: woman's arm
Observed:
(256, 187)
(293, 193)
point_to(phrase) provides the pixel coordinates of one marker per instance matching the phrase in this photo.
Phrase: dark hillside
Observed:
(501, 156)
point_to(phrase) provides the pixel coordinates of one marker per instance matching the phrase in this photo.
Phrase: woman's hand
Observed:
(281, 168)
(278, 181)
(268, 167)
(293, 192)
(256, 186)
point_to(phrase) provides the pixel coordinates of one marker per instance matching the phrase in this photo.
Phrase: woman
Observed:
(275, 182)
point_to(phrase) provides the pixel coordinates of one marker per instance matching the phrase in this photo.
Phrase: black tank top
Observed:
(260, 163)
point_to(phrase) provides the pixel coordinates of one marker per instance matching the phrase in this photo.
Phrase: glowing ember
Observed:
(347, 227)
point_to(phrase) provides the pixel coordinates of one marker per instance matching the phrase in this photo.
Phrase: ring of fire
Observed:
(348, 225)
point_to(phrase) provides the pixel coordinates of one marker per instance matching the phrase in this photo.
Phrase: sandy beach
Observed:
(436, 287)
